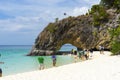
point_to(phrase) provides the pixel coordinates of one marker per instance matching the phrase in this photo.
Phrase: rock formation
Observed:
(78, 31)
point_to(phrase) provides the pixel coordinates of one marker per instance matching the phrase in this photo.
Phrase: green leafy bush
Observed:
(110, 3)
(99, 14)
(115, 44)
(116, 47)
(117, 4)
(107, 3)
(52, 27)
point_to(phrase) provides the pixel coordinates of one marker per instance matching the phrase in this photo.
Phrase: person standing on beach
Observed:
(91, 53)
(87, 54)
(0, 68)
(75, 56)
(79, 54)
(83, 57)
(101, 48)
(0, 72)
(54, 59)
(72, 51)
(41, 62)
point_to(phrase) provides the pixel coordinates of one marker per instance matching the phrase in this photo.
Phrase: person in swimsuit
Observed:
(41, 62)
(54, 59)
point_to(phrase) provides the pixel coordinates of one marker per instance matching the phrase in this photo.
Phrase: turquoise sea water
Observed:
(15, 60)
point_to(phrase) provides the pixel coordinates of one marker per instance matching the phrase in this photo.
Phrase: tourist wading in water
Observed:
(0, 68)
(0, 72)
(41, 63)
(54, 59)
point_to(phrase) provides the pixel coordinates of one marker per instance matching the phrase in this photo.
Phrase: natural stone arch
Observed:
(77, 31)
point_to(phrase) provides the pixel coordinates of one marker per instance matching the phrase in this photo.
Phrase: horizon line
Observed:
(17, 45)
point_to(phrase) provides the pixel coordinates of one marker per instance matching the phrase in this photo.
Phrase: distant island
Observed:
(100, 26)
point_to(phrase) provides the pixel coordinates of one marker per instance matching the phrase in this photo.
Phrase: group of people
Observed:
(83, 54)
(41, 61)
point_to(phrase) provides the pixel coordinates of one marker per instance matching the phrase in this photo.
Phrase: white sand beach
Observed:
(101, 67)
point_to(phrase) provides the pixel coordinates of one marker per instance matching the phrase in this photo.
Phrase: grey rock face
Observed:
(77, 31)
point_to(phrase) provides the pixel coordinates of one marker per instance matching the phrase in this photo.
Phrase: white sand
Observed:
(102, 67)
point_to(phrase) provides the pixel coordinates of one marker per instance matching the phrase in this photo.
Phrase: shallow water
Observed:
(15, 60)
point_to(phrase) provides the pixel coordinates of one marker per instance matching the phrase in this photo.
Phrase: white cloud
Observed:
(92, 2)
(19, 23)
(79, 11)
(34, 16)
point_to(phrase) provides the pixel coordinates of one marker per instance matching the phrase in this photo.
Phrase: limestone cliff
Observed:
(78, 31)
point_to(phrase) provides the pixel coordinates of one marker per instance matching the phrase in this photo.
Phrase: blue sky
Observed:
(22, 20)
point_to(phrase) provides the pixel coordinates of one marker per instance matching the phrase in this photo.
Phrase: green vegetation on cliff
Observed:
(52, 27)
(99, 14)
(115, 44)
(110, 3)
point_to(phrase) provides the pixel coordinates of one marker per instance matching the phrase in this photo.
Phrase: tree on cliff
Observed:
(115, 43)
(110, 3)
(99, 14)
(107, 3)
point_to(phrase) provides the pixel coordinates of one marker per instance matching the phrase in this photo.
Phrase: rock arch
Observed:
(77, 31)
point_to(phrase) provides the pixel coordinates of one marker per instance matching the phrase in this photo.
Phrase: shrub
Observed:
(115, 44)
(51, 27)
(110, 3)
(117, 4)
(99, 14)
(115, 48)
(107, 3)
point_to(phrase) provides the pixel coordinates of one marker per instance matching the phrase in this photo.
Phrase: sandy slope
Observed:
(102, 67)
